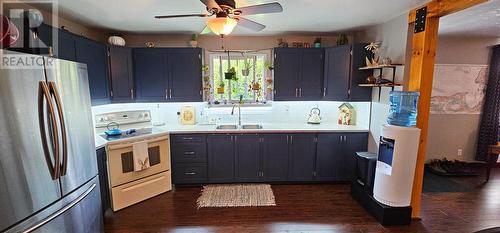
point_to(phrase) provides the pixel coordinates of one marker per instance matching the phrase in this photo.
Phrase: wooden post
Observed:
(421, 74)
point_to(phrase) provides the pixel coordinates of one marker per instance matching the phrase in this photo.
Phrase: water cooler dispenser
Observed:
(397, 157)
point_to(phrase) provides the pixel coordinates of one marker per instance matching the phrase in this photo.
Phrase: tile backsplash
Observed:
(287, 112)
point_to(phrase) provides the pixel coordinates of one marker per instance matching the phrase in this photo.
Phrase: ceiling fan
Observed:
(227, 15)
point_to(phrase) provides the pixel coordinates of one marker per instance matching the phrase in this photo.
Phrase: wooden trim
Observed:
(439, 8)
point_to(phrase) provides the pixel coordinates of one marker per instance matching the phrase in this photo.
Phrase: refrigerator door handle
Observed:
(61, 211)
(55, 93)
(44, 94)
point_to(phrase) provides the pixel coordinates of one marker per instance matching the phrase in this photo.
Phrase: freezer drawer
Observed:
(140, 190)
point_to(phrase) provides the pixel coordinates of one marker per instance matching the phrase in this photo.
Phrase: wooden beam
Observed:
(439, 8)
(421, 75)
(423, 55)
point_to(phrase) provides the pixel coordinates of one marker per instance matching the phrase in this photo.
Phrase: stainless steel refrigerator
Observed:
(48, 168)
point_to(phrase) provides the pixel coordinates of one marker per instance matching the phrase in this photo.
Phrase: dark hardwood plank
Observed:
(309, 208)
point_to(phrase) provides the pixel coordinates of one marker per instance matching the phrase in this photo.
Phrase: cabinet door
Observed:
(275, 157)
(311, 75)
(359, 76)
(337, 66)
(353, 142)
(185, 77)
(247, 158)
(66, 45)
(302, 157)
(121, 74)
(286, 73)
(329, 157)
(95, 55)
(150, 74)
(220, 158)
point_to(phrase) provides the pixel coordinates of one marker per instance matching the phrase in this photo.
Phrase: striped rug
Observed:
(236, 195)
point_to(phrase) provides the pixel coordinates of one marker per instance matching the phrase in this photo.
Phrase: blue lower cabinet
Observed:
(302, 157)
(329, 157)
(352, 143)
(221, 161)
(275, 157)
(189, 173)
(189, 158)
(247, 153)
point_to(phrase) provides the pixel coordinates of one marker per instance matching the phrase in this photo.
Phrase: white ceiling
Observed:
(301, 16)
(480, 20)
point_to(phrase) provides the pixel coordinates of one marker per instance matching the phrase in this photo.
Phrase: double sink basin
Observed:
(249, 126)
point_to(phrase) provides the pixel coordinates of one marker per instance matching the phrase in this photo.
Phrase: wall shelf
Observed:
(381, 67)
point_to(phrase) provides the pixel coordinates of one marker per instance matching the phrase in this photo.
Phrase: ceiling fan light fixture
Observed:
(222, 25)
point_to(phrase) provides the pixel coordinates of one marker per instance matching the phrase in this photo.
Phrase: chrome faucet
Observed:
(239, 110)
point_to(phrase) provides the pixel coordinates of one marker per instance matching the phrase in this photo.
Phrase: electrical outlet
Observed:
(459, 153)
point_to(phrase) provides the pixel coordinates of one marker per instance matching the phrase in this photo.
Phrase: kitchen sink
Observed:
(227, 127)
(251, 126)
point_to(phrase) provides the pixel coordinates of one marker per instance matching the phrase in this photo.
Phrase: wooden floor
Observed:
(309, 208)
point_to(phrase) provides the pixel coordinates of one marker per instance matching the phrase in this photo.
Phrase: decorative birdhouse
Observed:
(347, 114)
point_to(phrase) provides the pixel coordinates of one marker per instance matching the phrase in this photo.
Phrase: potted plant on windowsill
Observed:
(230, 74)
(220, 88)
(247, 66)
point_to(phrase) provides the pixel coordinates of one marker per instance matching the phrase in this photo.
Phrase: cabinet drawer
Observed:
(190, 173)
(140, 190)
(189, 152)
(188, 138)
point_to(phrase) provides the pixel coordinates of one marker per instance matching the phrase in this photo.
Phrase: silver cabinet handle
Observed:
(324, 92)
(170, 93)
(187, 138)
(132, 93)
(190, 173)
(296, 92)
(300, 92)
(166, 93)
(189, 153)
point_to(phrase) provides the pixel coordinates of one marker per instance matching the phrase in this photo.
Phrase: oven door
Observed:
(120, 160)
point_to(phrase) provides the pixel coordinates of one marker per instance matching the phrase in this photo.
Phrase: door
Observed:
(95, 55)
(352, 143)
(302, 157)
(66, 48)
(328, 157)
(275, 159)
(247, 157)
(311, 78)
(185, 76)
(121, 74)
(27, 183)
(69, 86)
(150, 72)
(221, 158)
(337, 66)
(286, 73)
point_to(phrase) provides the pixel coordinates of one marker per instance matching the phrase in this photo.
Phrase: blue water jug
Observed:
(403, 111)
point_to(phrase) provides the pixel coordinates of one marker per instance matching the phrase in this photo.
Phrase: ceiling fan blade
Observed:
(211, 4)
(181, 16)
(206, 30)
(273, 7)
(250, 24)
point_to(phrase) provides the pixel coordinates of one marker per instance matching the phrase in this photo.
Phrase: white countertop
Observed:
(267, 128)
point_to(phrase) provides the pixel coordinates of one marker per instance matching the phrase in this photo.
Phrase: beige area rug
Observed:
(234, 195)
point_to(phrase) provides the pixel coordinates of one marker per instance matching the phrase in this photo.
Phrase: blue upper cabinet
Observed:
(342, 74)
(150, 74)
(95, 55)
(168, 74)
(66, 48)
(185, 74)
(298, 73)
(286, 73)
(121, 74)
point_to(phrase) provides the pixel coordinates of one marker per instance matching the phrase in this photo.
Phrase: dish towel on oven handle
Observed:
(141, 156)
